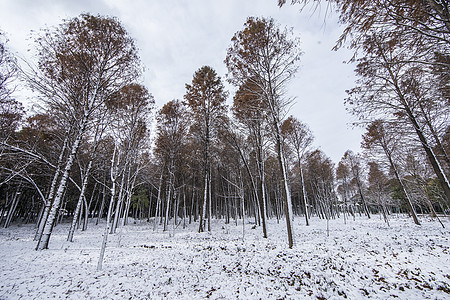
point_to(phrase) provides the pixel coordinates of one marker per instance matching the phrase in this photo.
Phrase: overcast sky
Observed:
(177, 37)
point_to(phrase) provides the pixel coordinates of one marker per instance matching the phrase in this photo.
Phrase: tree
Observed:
(320, 184)
(172, 130)
(422, 19)
(131, 108)
(37, 145)
(417, 179)
(81, 63)
(267, 57)
(354, 164)
(343, 176)
(11, 111)
(85, 171)
(8, 69)
(205, 97)
(388, 86)
(300, 137)
(381, 135)
(405, 46)
(250, 110)
(378, 187)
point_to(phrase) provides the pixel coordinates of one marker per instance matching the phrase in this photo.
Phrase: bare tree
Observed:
(354, 164)
(81, 63)
(206, 99)
(130, 108)
(172, 130)
(11, 111)
(387, 87)
(249, 109)
(267, 56)
(404, 46)
(381, 135)
(320, 184)
(300, 137)
(378, 187)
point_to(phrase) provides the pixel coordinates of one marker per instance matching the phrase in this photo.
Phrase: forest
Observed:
(100, 154)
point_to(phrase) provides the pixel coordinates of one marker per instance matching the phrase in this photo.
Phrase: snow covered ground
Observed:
(358, 260)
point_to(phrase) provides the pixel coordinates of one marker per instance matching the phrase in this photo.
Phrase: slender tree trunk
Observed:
(114, 177)
(193, 213)
(242, 202)
(51, 193)
(302, 181)
(61, 211)
(80, 200)
(12, 209)
(158, 202)
(285, 187)
(130, 188)
(236, 209)
(150, 205)
(345, 210)
(102, 205)
(366, 209)
(262, 191)
(169, 198)
(78, 222)
(184, 209)
(38, 219)
(118, 207)
(88, 208)
(355, 170)
(203, 208)
(408, 198)
(209, 201)
(107, 228)
(2, 212)
(97, 198)
(86, 214)
(127, 195)
(50, 222)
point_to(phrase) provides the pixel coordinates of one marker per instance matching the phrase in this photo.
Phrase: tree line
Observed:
(89, 153)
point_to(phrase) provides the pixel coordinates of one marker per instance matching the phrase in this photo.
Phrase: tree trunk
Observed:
(80, 201)
(118, 207)
(286, 192)
(302, 181)
(241, 198)
(50, 222)
(51, 193)
(262, 191)
(158, 202)
(102, 205)
(168, 200)
(355, 170)
(106, 232)
(209, 201)
(408, 198)
(184, 209)
(114, 177)
(203, 208)
(363, 200)
(130, 188)
(12, 209)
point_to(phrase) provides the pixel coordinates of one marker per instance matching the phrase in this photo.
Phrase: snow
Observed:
(361, 259)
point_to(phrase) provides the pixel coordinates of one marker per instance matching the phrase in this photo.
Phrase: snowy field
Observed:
(364, 259)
